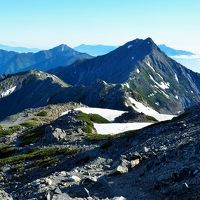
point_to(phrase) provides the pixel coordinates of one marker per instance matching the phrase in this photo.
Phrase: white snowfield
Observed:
(108, 114)
(141, 108)
(8, 92)
(115, 128)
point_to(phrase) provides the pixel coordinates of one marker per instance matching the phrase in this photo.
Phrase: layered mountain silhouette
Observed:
(13, 62)
(174, 52)
(164, 84)
(18, 49)
(133, 74)
(95, 50)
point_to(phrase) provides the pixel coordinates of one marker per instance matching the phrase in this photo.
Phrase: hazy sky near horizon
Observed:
(47, 23)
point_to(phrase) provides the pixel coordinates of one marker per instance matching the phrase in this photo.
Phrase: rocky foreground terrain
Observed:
(62, 157)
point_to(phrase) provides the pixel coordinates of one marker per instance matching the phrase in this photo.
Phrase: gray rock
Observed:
(4, 195)
(122, 169)
(134, 163)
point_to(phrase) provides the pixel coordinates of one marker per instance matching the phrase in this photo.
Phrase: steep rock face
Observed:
(163, 83)
(12, 62)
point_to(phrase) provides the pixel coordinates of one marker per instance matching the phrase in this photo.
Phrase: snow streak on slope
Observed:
(115, 128)
(162, 85)
(8, 92)
(141, 108)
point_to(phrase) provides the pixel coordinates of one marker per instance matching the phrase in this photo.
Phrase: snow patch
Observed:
(129, 46)
(160, 76)
(138, 71)
(141, 108)
(115, 128)
(151, 95)
(165, 94)
(176, 97)
(163, 85)
(8, 92)
(127, 85)
(148, 63)
(176, 77)
(108, 114)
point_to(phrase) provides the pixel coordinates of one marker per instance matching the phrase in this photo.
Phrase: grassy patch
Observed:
(97, 118)
(39, 154)
(9, 131)
(32, 136)
(42, 113)
(18, 167)
(96, 136)
(89, 127)
(150, 118)
(89, 119)
(29, 123)
(6, 150)
(45, 162)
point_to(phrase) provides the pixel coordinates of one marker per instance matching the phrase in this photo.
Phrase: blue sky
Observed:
(47, 23)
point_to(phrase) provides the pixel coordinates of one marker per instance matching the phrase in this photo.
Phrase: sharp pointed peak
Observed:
(62, 47)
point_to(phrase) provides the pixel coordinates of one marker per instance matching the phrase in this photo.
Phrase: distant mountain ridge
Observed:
(95, 50)
(13, 62)
(174, 52)
(19, 49)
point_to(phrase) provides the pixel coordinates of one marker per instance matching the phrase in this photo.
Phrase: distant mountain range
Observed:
(16, 59)
(174, 52)
(19, 49)
(95, 50)
(136, 75)
(13, 62)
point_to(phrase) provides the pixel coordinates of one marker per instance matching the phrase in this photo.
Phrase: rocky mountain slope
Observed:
(12, 62)
(164, 84)
(65, 159)
(27, 90)
(36, 88)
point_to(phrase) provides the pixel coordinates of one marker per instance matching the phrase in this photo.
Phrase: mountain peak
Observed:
(145, 45)
(62, 47)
